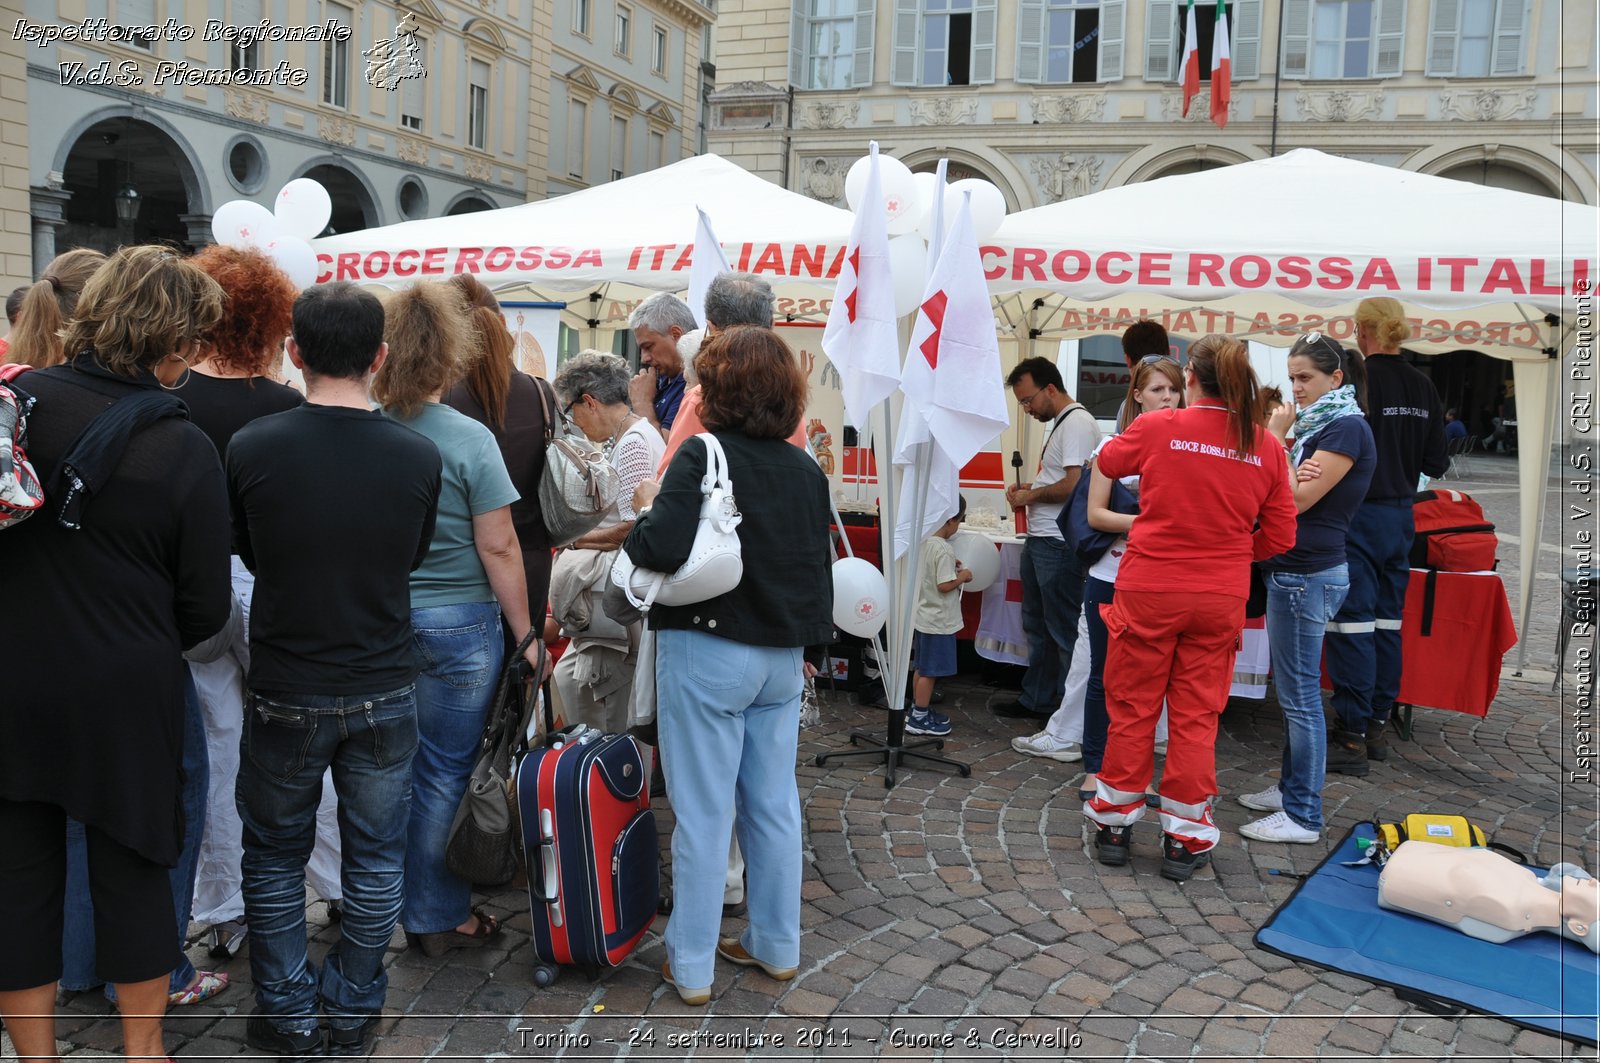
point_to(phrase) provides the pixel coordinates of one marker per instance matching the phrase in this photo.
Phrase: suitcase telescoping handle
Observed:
(547, 865)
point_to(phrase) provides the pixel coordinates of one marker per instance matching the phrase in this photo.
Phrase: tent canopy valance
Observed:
(637, 231)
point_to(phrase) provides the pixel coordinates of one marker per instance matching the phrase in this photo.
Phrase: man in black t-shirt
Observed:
(333, 506)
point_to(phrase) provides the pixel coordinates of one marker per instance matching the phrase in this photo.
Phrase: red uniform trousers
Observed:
(1180, 647)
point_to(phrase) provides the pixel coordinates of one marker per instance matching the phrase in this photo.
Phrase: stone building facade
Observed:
(136, 119)
(1051, 99)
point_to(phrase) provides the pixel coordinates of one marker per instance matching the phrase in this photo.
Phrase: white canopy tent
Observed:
(1268, 250)
(637, 232)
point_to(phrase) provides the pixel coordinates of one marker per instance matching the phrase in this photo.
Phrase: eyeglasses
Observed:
(1153, 359)
(566, 411)
(1027, 401)
(1316, 339)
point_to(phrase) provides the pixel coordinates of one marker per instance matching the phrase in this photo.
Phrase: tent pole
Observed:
(1539, 465)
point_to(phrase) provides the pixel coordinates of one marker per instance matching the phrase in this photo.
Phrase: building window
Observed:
(624, 38)
(658, 150)
(414, 93)
(1340, 40)
(134, 17)
(578, 139)
(1166, 29)
(1477, 38)
(1060, 42)
(580, 17)
(832, 44)
(336, 61)
(478, 105)
(619, 148)
(944, 42)
(658, 51)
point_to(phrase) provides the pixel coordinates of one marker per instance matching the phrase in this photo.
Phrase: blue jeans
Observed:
(1052, 598)
(77, 940)
(1299, 606)
(1096, 592)
(729, 725)
(461, 651)
(1363, 641)
(289, 741)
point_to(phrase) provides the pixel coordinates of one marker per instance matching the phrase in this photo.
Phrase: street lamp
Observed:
(127, 203)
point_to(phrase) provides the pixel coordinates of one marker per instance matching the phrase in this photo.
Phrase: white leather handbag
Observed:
(715, 565)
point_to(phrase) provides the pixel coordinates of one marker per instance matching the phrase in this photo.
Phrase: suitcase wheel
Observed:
(544, 976)
(592, 973)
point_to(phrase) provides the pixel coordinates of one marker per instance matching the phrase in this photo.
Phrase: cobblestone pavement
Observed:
(953, 912)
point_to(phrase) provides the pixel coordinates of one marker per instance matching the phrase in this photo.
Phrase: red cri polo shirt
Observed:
(1200, 501)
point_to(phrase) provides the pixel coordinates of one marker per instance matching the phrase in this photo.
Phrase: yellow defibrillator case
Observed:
(1430, 827)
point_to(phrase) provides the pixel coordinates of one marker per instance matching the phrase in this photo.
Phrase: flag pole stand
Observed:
(893, 748)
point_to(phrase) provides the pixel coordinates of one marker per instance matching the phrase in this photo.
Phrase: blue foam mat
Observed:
(1540, 981)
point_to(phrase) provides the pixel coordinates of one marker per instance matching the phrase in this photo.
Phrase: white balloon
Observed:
(988, 206)
(241, 223)
(894, 180)
(908, 263)
(927, 189)
(295, 257)
(303, 208)
(979, 555)
(860, 597)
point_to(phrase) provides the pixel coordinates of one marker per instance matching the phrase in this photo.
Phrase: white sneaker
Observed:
(1042, 745)
(1278, 827)
(1268, 800)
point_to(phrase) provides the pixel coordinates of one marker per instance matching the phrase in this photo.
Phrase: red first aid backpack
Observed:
(20, 493)
(1452, 534)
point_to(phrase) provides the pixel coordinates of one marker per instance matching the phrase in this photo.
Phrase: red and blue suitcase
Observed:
(589, 840)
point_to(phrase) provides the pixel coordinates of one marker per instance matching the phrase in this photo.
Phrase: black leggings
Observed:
(136, 932)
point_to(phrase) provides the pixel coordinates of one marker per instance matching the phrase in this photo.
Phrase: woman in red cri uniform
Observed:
(1210, 476)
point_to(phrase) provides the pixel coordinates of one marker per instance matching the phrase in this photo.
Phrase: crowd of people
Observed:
(263, 627)
(1232, 490)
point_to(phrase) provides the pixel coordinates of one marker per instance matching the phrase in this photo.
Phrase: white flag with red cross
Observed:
(861, 340)
(955, 403)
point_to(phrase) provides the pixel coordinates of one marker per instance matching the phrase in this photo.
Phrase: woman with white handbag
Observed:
(730, 667)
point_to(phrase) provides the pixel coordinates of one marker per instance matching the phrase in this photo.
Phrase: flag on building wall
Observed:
(1191, 60)
(1221, 66)
(861, 339)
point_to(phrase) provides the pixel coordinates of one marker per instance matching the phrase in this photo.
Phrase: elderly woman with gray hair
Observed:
(595, 677)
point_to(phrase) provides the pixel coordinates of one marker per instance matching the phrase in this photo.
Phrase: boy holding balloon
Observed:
(938, 618)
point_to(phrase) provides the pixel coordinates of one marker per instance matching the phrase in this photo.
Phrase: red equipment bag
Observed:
(589, 840)
(1452, 534)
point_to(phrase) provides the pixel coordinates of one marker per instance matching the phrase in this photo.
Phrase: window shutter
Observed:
(799, 34)
(1389, 57)
(1442, 36)
(1510, 28)
(1296, 38)
(1113, 41)
(1244, 27)
(983, 41)
(1030, 41)
(904, 67)
(1160, 26)
(866, 29)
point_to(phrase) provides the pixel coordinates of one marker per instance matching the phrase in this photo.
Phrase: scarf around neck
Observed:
(1340, 402)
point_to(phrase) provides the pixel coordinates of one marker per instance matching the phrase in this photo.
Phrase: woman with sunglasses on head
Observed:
(1334, 456)
(1157, 384)
(1208, 476)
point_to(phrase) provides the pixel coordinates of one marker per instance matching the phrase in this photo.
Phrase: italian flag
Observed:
(1221, 66)
(1191, 61)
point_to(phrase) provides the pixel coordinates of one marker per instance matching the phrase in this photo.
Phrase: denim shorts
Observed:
(936, 655)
